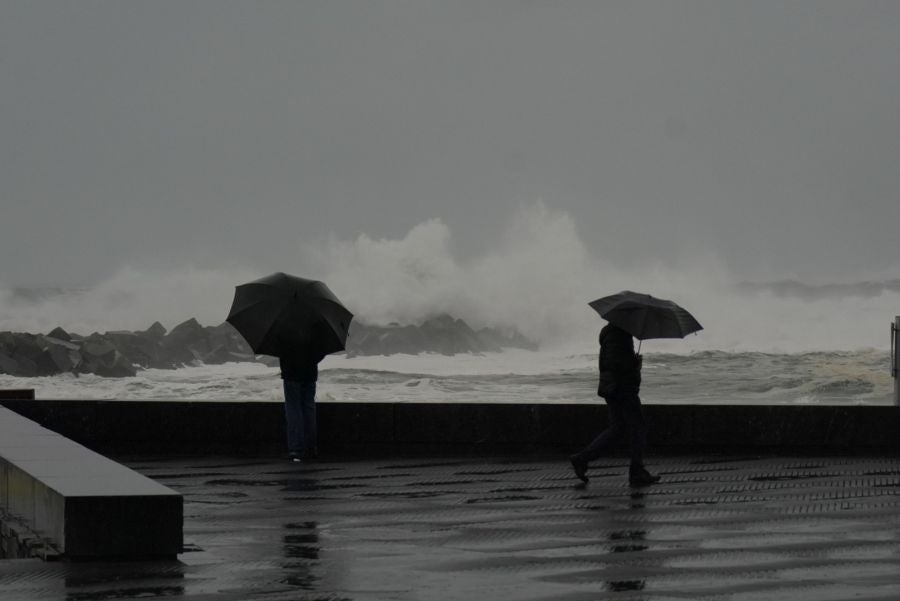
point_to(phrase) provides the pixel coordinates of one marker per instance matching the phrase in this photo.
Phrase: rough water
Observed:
(770, 341)
(514, 376)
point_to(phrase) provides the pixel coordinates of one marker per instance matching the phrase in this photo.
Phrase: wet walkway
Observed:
(717, 529)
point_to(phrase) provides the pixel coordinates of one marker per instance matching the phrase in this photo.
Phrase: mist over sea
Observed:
(764, 341)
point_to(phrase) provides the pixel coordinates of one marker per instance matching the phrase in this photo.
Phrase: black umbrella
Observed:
(282, 314)
(644, 316)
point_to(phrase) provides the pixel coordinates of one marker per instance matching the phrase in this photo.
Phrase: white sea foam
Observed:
(514, 376)
(128, 300)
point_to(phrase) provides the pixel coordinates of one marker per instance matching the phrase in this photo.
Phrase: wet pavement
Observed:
(717, 529)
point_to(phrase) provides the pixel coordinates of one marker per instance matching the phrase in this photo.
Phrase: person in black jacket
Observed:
(619, 385)
(300, 371)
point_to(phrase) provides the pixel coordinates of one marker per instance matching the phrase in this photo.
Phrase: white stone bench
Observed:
(80, 504)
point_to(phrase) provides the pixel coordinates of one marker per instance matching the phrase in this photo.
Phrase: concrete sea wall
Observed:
(209, 427)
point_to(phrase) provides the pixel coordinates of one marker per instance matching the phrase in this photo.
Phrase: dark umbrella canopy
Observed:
(282, 314)
(644, 316)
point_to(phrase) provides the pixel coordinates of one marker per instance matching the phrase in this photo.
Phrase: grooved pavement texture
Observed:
(720, 528)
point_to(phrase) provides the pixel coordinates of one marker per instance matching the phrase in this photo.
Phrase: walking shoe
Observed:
(641, 477)
(295, 457)
(580, 466)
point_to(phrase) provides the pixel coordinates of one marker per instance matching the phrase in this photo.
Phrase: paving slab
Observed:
(716, 528)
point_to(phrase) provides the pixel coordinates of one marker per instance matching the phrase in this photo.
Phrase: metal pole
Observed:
(895, 358)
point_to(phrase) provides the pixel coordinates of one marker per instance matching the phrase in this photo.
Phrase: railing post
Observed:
(895, 358)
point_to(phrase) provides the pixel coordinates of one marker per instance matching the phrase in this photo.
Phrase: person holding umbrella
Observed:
(299, 373)
(299, 321)
(629, 315)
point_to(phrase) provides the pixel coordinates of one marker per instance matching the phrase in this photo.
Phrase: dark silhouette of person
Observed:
(300, 371)
(619, 385)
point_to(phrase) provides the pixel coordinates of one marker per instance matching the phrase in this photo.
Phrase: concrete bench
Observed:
(78, 503)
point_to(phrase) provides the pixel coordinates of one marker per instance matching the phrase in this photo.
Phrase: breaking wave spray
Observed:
(537, 278)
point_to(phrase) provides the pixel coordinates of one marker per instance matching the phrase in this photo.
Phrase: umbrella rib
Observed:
(272, 324)
(278, 312)
(646, 315)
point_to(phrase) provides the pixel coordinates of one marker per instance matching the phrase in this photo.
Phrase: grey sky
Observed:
(224, 133)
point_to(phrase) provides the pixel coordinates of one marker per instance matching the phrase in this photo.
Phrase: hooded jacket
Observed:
(618, 363)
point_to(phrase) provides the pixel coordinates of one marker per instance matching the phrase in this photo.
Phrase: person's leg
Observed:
(601, 444)
(609, 437)
(308, 408)
(293, 417)
(636, 428)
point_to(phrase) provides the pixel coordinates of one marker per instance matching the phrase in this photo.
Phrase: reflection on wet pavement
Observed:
(301, 542)
(629, 537)
(720, 529)
(617, 586)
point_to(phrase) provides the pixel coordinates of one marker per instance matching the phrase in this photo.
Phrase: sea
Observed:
(765, 341)
(860, 377)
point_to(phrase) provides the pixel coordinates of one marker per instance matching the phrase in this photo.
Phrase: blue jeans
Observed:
(626, 420)
(300, 415)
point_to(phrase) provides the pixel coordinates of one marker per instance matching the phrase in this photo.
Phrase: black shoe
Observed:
(580, 466)
(295, 458)
(641, 477)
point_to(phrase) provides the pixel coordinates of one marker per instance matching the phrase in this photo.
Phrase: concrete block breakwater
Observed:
(121, 353)
(204, 427)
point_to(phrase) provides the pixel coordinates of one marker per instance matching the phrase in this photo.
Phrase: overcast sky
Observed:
(162, 133)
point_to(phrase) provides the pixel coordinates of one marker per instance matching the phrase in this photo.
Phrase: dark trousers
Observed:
(626, 421)
(300, 414)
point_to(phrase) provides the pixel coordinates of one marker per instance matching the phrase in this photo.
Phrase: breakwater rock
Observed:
(122, 353)
(443, 334)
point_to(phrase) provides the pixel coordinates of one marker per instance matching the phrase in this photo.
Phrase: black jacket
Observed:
(619, 365)
(302, 366)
